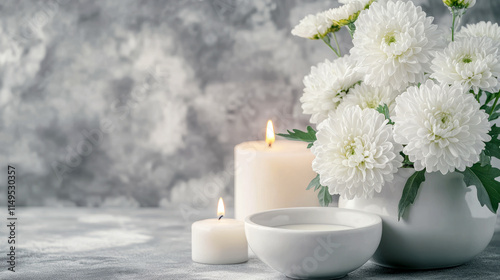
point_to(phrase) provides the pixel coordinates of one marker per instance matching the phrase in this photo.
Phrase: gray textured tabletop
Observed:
(92, 243)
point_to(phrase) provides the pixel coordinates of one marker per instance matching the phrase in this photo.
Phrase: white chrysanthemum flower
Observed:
(313, 26)
(326, 85)
(480, 29)
(355, 153)
(368, 97)
(393, 44)
(460, 4)
(472, 62)
(344, 14)
(442, 127)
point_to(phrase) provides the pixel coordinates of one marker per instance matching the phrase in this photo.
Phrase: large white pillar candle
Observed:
(219, 241)
(272, 176)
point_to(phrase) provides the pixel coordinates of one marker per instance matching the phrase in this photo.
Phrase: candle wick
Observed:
(221, 217)
(270, 144)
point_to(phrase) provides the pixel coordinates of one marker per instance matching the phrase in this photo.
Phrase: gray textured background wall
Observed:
(140, 103)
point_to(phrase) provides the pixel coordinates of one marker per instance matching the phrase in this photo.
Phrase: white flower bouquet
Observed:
(405, 97)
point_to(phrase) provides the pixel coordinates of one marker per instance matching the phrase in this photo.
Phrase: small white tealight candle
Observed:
(219, 241)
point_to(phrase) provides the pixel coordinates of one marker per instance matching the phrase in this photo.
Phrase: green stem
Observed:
(478, 95)
(494, 105)
(454, 16)
(337, 43)
(328, 44)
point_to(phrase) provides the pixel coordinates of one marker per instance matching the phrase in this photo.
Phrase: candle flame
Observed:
(220, 208)
(270, 133)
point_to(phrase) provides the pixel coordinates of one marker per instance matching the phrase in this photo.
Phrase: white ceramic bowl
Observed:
(309, 253)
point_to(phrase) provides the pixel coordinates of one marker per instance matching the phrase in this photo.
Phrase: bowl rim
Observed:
(377, 221)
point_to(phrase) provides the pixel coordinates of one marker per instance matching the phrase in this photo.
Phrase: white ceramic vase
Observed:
(446, 226)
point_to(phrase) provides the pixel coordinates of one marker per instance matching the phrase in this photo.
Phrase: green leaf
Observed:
(410, 191)
(384, 110)
(324, 196)
(489, 97)
(314, 183)
(298, 135)
(492, 110)
(484, 159)
(488, 189)
(352, 28)
(494, 132)
(493, 148)
(485, 107)
(494, 116)
(406, 161)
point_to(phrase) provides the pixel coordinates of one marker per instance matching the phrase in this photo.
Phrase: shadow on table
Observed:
(482, 267)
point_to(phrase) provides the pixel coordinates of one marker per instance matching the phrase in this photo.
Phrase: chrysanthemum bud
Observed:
(460, 4)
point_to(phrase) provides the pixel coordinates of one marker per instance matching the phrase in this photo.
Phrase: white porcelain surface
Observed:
(446, 226)
(313, 254)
